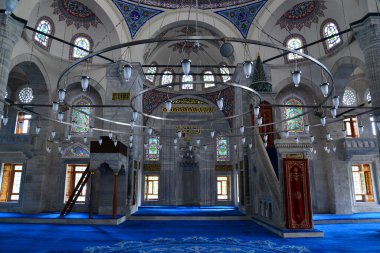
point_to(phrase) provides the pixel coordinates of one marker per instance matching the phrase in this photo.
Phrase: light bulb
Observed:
(198, 141)
(243, 140)
(55, 106)
(220, 103)
(260, 121)
(323, 121)
(312, 139)
(212, 133)
(84, 80)
(131, 138)
(256, 111)
(335, 101)
(127, 71)
(61, 95)
(361, 129)
(190, 147)
(85, 139)
(10, 6)
(150, 131)
(307, 129)
(186, 66)
(334, 148)
(297, 140)
(168, 105)
(100, 141)
(175, 141)
(247, 66)
(296, 76)
(204, 147)
(110, 135)
(115, 143)
(38, 129)
(333, 112)
(328, 136)
(235, 146)
(241, 130)
(48, 149)
(134, 116)
(265, 137)
(133, 123)
(250, 145)
(175, 147)
(130, 145)
(91, 130)
(146, 146)
(179, 134)
(325, 89)
(60, 116)
(286, 134)
(5, 120)
(69, 137)
(59, 148)
(53, 133)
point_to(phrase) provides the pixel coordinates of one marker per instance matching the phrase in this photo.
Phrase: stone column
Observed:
(367, 32)
(10, 32)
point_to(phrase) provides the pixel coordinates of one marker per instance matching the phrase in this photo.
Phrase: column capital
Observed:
(367, 31)
(11, 27)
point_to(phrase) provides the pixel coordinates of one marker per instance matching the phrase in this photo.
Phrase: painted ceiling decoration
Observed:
(202, 4)
(242, 17)
(135, 15)
(302, 14)
(77, 150)
(75, 13)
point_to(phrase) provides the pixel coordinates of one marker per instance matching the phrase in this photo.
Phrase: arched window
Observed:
(82, 120)
(187, 82)
(209, 79)
(296, 125)
(294, 42)
(83, 41)
(167, 77)
(222, 149)
(329, 28)
(349, 97)
(225, 73)
(150, 73)
(45, 25)
(153, 150)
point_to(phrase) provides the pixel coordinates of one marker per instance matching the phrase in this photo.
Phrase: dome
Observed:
(202, 4)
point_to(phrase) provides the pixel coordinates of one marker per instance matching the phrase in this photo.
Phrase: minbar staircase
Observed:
(76, 193)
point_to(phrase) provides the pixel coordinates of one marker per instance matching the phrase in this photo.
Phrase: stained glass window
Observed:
(167, 77)
(45, 27)
(294, 43)
(222, 149)
(187, 82)
(209, 79)
(83, 43)
(153, 151)
(26, 95)
(82, 120)
(151, 73)
(296, 125)
(225, 73)
(328, 30)
(349, 97)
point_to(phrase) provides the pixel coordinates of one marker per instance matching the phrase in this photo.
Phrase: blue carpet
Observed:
(355, 216)
(184, 237)
(188, 211)
(53, 216)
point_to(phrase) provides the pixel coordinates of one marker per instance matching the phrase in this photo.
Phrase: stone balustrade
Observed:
(359, 146)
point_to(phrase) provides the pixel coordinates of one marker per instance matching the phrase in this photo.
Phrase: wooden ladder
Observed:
(76, 193)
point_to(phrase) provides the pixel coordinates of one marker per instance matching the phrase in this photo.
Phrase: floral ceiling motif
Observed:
(135, 15)
(75, 13)
(202, 4)
(302, 14)
(242, 17)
